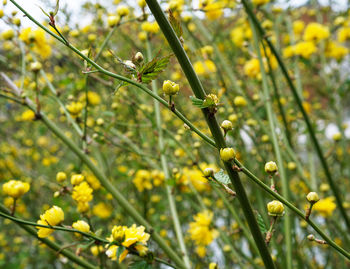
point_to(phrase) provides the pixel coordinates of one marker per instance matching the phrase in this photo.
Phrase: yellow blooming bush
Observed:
(213, 134)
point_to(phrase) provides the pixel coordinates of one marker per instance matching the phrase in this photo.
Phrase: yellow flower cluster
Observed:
(201, 232)
(38, 39)
(15, 188)
(133, 238)
(82, 194)
(325, 206)
(143, 179)
(51, 217)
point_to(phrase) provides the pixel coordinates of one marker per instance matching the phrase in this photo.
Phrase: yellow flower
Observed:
(112, 253)
(305, 49)
(61, 176)
(102, 210)
(335, 51)
(150, 27)
(312, 197)
(252, 68)
(260, 2)
(74, 109)
(15, 188)
(81, 226)
(239, 101)
(96, 250)
(325, 206)
(158, 177)
(213, 10)
(8, 34)
(118, 233)
(142, 180)
(344, 34)
(315, 32)
(298, 27)
(51, 217)
(204, 68)
(134, 235)
(82, 193)
(123, 11)
(76, 179)
(170, 88)
(28, 115)
(200, 231)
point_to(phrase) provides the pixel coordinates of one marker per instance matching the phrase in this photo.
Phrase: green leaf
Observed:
(175, 24)
(222, 177)
(56, 8)
(149, 71)
(44, 11)
(261, 223)
(140, 265)
(120, 251)
(197, 102)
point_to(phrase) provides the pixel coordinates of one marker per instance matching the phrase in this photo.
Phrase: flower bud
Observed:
(35, 67)
(113, 20)
(138, 57)
(311, 237)
(76, 179)
(336, 136)
(275, 208)
(227, 154)
(312, 197)
(61, 176)
(226, 125)
(100, 121)
(271, 168)
(8, 34)
(208, 172)
(170, 88)
(291, 165)
(240, 101)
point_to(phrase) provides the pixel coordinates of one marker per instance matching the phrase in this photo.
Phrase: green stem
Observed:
(199, 92)
(298, 100)
(71, 256)
(285, 187)
(164, 163)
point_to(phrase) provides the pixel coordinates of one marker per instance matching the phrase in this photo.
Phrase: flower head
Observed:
(275, 208)
(15, 188)
(227, 154)
(51, 217)
(170, 88)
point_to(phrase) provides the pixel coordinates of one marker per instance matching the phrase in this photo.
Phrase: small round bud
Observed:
(113, 20)
(271, 167)
(233, 118)
(100, 121)
(336, 136)
(138, 57)
(170, 88)
(291, 165)
(35, 67)
(16, 21)
(265, 138)
(312, 197)
(61, 176)
(226, 125)
(56, 194)
(208, 172)
(275, 208)
(213, 265)
(239, 101)
(122, 11)
(8, 34)
(311, 237)
(227, 154)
